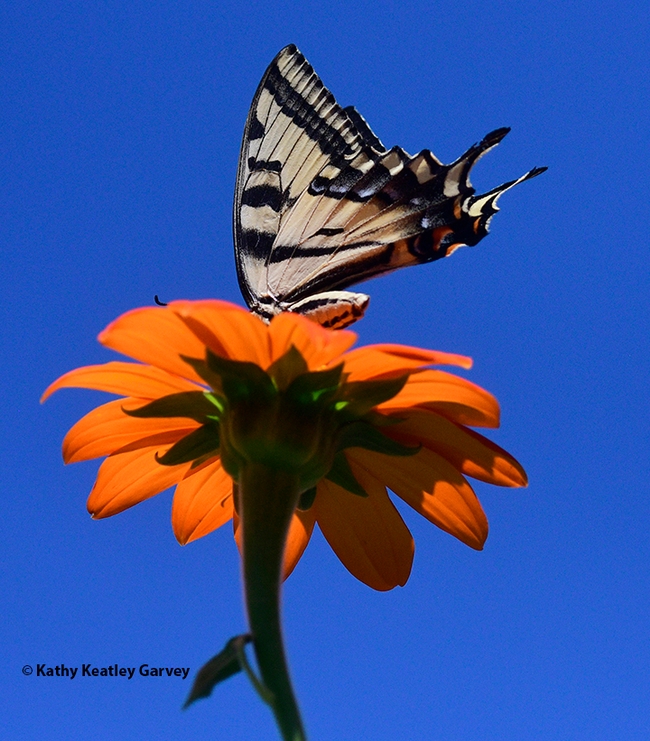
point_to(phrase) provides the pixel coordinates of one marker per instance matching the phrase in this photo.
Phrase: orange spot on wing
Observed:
(439, 234)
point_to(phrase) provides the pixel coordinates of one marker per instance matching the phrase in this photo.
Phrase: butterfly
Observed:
(321, 204)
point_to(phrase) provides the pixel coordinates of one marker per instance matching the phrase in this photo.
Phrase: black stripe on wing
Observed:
(320, 204)
(407, 210)
(307, 125)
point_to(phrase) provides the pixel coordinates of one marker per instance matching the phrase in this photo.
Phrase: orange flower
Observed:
(432, 410)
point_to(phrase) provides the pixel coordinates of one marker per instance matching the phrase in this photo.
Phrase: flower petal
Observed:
(155, 335)
(202, 502)
(424, 356)
(127, 379)
(434, 488)
(227, 329)
(129, 478)
(471, 453)
(456, 398)
(300, 530)
(106, 429)
(380, 361)
(316, 344)
(366, 533)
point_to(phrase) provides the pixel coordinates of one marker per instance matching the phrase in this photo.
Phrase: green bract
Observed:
(287, 418)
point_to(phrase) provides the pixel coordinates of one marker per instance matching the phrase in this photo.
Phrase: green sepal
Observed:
(341, 474)
(203, 459)
(241, 381)
(198, 443)
(360, 434)
(217, 402)
(190, 404)
(377, 419)
(307, 499)
(287, 368)
(362, 396)
(220, 667)
(204, 373)
(317, 387)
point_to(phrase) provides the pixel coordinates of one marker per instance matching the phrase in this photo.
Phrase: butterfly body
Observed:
(321, 204)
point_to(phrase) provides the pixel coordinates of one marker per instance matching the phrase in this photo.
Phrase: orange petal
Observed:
(155, 335)
(375, 361)
(107, 429)
(202, 502)
(300, 530)
(127, 379)
(317, 345)
(471, 453)
(455, 398)
(424, 356)
(434, 488)
(228, 330)
(126, 479)
(367, 534)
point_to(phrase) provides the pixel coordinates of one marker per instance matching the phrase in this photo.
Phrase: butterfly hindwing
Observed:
(321, 204)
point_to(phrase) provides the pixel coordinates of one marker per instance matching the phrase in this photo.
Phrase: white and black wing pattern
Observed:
(321, 204)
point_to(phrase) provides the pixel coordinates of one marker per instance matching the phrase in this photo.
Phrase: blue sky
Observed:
(121, 126)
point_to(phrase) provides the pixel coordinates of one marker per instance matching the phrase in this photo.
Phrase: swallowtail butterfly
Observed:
(321, 204)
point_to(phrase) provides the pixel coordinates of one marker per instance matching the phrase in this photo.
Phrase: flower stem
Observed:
(267, 500)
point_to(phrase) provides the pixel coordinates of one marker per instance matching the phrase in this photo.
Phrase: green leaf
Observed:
(341, 474)
(360, 434)
(220, 667)
(307, 499)
(288, 367)
(190, 404)
(362, 396)
(198, 443)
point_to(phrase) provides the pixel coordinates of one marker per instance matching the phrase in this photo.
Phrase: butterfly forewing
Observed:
(320, 204)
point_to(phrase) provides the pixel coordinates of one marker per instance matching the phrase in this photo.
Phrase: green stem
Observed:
(267, 500)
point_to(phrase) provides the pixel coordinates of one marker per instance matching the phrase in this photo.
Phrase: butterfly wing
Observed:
(294, 132)
(321, 204)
